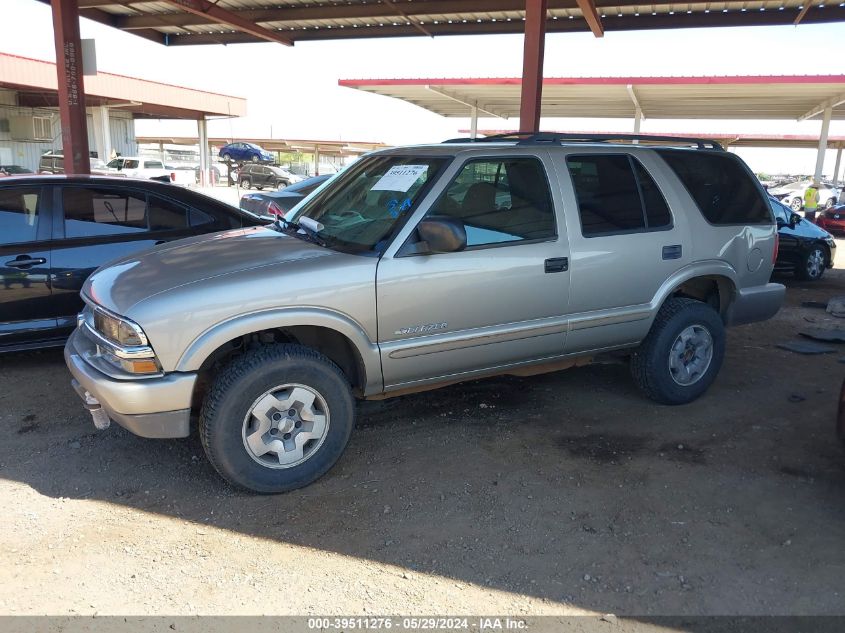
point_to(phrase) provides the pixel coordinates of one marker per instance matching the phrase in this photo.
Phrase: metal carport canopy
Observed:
(178, 22)
(794, 97)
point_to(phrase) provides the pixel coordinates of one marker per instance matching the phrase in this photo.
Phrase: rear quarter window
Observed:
(722, 188)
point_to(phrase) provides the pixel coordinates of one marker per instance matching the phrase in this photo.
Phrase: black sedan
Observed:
(56, 230)
(804, 248)
(271, 204)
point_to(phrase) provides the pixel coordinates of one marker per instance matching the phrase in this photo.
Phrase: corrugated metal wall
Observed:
(27, 153)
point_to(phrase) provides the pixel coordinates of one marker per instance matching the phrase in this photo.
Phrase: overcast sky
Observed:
(293, 92)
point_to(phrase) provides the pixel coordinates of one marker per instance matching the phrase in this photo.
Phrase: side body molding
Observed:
(221, 333)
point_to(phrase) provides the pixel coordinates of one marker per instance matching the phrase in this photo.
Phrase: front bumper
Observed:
(157, 407)
(757, 303)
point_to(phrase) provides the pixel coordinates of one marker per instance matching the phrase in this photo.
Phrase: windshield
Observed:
(364, 206)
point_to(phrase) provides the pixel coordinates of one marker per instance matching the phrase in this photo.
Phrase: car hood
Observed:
(123, 283)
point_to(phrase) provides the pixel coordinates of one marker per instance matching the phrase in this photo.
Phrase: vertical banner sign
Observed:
(70, 86)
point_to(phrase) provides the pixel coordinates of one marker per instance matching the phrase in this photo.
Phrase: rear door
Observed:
(25, 311)
(625, 243)
(102, 223)
(501, 301)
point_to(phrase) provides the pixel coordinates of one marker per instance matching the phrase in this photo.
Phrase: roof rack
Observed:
(546, 138)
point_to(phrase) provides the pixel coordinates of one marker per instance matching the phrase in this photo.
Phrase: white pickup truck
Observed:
(138, 167)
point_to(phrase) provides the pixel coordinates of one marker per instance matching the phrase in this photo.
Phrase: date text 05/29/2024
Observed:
(417, 623)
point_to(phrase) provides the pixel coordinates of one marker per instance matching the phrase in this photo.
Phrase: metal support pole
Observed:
(638, 118)
(102, 133)
(836, 167)
(532, 65)
(316, 160)
(71, 87)
(202, 130)
(473, 122)
(817, 175)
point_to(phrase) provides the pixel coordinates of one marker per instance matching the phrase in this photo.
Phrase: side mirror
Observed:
(794, 219)
(442, 234)
(779, 221)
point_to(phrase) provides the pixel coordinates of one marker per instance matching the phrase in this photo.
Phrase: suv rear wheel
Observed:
(277, 418)
(245, 183)
(682, 354)
(796, 204)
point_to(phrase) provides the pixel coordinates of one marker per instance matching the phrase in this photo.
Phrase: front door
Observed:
(24, 266)
(501, 301)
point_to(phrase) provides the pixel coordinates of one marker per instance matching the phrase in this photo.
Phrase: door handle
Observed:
(25, 262)
(675, 251)
(557, 265)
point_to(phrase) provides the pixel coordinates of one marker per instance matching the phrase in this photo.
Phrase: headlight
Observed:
(118, 330)
(120, 342)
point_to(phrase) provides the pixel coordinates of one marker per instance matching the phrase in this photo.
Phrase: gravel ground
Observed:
(560, 494)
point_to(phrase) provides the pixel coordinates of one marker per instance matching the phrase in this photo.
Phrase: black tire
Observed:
(259, 187)
(227, 158)
(281, 184)
(650, 363)
(808, 268)
(829, 203)
(796, 204)
(245, 183)
(236, 389)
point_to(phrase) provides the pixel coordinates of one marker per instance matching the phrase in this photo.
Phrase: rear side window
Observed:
(165, 215)
(616, 195)
(723, 190)
(95, 211)
(18, 215)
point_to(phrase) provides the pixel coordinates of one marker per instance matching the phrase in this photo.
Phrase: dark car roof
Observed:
(174, 192)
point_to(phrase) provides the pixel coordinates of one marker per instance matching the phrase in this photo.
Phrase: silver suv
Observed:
(423, 266)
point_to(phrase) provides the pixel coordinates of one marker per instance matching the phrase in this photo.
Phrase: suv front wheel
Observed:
(682, 354)
(277, 418)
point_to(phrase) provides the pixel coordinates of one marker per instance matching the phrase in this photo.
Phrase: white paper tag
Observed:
(400, 178)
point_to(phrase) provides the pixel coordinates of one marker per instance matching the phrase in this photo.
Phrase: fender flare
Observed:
(707, 268)
(221, 333)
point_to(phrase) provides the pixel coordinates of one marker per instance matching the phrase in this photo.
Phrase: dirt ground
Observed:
(561, 494)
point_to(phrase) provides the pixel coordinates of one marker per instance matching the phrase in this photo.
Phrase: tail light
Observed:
(274, 210)
(775, 251)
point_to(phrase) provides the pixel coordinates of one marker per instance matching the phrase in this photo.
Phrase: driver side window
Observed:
(500, 201)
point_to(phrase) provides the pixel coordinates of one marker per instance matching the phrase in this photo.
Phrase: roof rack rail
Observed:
(544, 138)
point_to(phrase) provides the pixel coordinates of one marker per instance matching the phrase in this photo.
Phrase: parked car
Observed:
(244, 152)
(418, 267)
(149, 168)
(832, 219)
(803, 248)
(275, 203)
(53, 162)
(13, 170)
(260, 176)
(792, 194)
(55, 230)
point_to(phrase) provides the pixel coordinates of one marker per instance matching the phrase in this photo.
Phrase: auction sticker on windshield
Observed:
(400, 178)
